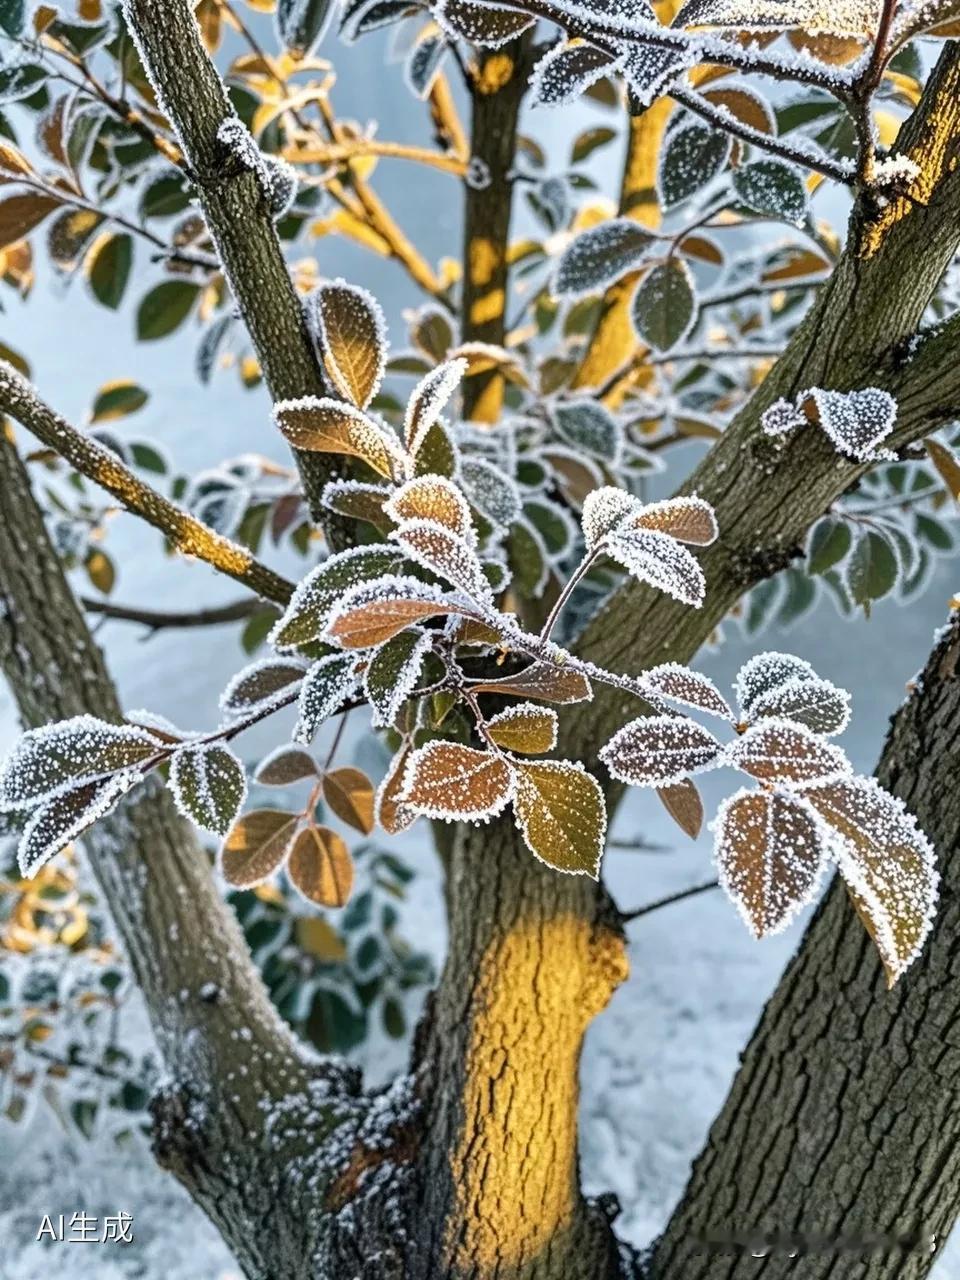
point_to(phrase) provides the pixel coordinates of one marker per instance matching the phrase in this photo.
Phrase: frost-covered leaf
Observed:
(604, 509)
(359, 501)
(659, 560)
(664, 305)
(393, 672)
(64, 816)
(656, 751)
(423, 64)
(326, 688)
(363, 16)
(600, 255)
(649, 68)
(309, 610)
(526, 728)
(72, 752)
(565, 71)
(838, 17)
(437, 499)
(781, 751)
(691, 156)
(353, 339)
(678, 683)
(590, 426)
(818, 704)
(492, 492)
(455, 783)
(209, 785)
(322, 425)
(688, 519)
(561, 815)
(774, 188)
(320, 867)
(256, 845)
(436, 548)
(545, 681)
(301, 24)
(683, 803)
(349, 793)
(390, 813)
(872, 568)
(487, 25)
(765, 672)
(856, 421)
(781, 418)
(576, 476)
(887, 862)
(261, 685)
(284, 766)
(368, 615)
(437, 454)
(770, 854)
(428, 401)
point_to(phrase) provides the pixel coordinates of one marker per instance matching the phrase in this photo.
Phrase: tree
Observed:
(451, 562)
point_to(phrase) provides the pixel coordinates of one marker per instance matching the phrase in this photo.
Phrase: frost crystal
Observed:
(603, 510)
(649, 69)
(278, 180)
(566, 71)
(857, 421)
(781, 418)
(491, 492)
(64, 816)
(600, 255)
(393, 673)
(817, 17)
(765, 672)
(327, 686)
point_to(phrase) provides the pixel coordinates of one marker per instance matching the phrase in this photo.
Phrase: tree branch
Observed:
(99, 464)
(160, 620)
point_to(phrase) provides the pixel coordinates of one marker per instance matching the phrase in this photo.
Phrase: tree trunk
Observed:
(841, 1125)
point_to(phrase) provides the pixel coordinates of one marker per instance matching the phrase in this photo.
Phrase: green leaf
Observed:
(164, 197)
(691, 156)
(393, 673)
(309, 610)
(663, 306)
(165, 308)
(209, 785)
(301, 24)
(872, 568)
(773, 187)
(933, 532)
(829, 543)
(13, 16)
(110, 270)
(117, 400)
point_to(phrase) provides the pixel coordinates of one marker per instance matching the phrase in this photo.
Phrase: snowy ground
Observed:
(658, 1061)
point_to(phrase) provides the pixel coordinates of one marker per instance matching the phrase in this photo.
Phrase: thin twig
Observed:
(627, 916)
(159, 620)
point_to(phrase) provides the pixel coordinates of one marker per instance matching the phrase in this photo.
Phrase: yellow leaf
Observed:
(100, 571)
(331, 426)
(256, 845)
(316, 936)
(947, 464)
(433, 498)
(349, 793)
(351, 332)
(320, 867)
(19, 215)
(12, 162)
(561, 814)
(525, 728)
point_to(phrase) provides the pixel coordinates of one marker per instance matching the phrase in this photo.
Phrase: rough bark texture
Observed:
(242, 1109)
(841, 1123)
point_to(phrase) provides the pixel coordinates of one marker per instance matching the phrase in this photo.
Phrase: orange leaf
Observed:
(320, 867)
(683, 803)
(351, 331)
(256, 845)
(321, 425)
(349, 793)
(451, 782)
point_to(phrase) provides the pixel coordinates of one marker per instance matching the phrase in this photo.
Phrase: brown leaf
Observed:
(12, 161)
(777, 749)
(286, 766)
(679, 684)
(770, 853)
(374, 614)
(320, 867)
(448, 781)
(655, 751)
(350, 329)
(349, 793)
(544, 681)
(561, 814)
(390, 812)
(686, 519)
(887, 862)
(256, 845)
(683, 803)
(947, 464)
(525, 728)
(21, 213)
(330, 426)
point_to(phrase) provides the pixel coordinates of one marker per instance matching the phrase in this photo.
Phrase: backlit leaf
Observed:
(561, 814)
(19, 214)
(368, 615)
(455, 783)
(655, 751)
(770, 854)
(947, 465)
(352, 336)
(842, 18)
(117, 400)
(256, 845)
(322, 425)
(209, 785)
(887, 862)
(688, 519)
(320, 867)
(391, 814)
(349, 793)
(526, 728)
(683, 803)
(433, 498)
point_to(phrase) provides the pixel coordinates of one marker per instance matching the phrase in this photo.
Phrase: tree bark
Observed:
(841, 1124)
